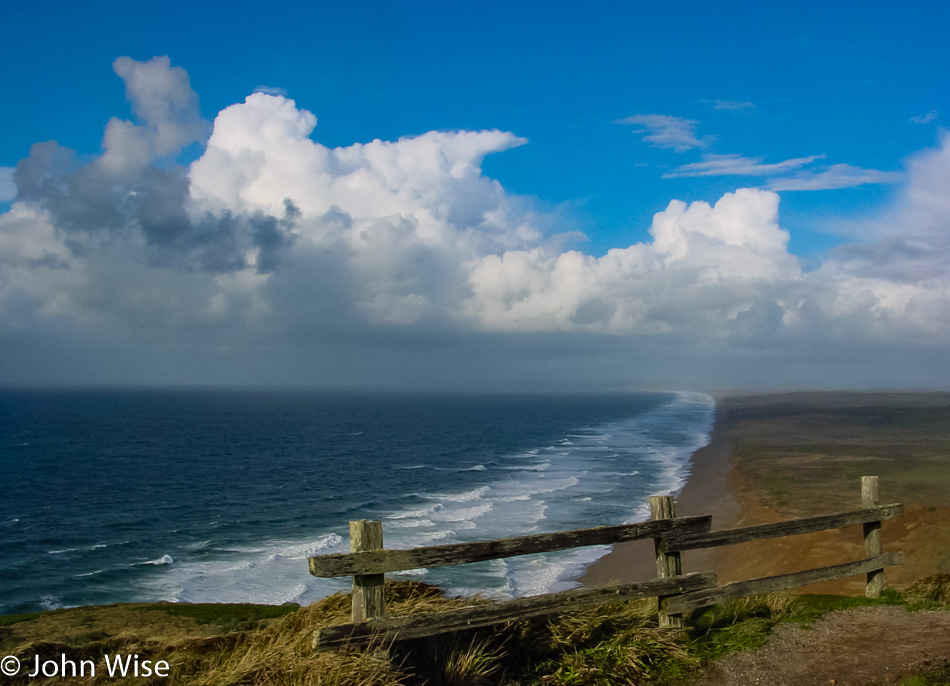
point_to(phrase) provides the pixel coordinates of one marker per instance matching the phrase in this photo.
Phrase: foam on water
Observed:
(50, 602)
(468, 496)
(266, 574)
(163, 560)
(591, 476)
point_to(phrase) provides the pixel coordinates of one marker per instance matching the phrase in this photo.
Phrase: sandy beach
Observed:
(780, 456)
(706, 491)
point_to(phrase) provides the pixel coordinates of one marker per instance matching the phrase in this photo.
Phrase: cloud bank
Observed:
(274, 259)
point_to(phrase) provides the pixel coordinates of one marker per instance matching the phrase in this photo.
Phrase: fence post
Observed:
(667, 564)
(369, 600)
(870, 497)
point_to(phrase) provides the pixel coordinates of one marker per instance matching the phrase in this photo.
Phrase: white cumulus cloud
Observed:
(704, 266)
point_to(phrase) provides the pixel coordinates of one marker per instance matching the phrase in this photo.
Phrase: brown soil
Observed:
(861, 647)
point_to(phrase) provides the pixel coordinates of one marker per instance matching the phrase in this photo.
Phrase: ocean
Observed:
(221, 495)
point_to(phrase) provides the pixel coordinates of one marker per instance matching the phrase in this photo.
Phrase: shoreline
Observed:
(779, 456)
(706, 491)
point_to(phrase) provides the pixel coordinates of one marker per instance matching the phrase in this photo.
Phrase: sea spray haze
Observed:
(219, 496)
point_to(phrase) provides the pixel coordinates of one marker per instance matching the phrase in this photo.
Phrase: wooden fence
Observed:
(677, 593)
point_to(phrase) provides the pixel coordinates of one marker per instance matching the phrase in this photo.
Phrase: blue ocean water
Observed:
(220, 496)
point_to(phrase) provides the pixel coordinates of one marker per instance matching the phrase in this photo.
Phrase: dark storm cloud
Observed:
(90, 202)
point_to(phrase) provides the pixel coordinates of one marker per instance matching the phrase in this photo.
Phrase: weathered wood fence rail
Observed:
(677, 594)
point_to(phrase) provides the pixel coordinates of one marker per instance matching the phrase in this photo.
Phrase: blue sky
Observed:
(618, 109)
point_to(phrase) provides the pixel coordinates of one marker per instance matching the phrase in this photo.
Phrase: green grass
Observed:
(225, 616)
(937, 677)
(810, 608)
(7, 620)
(738, 625)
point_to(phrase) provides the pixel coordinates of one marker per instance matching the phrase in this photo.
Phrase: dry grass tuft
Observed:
(611, 644)
(282, 653)
(463, 659)
(934, 588)
(772, 605)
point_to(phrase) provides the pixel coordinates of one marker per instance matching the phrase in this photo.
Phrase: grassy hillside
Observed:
(214, 645)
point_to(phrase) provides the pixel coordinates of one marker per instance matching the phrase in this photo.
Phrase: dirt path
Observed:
(860, 647)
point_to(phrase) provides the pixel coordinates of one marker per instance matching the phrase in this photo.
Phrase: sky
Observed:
(476, 196)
